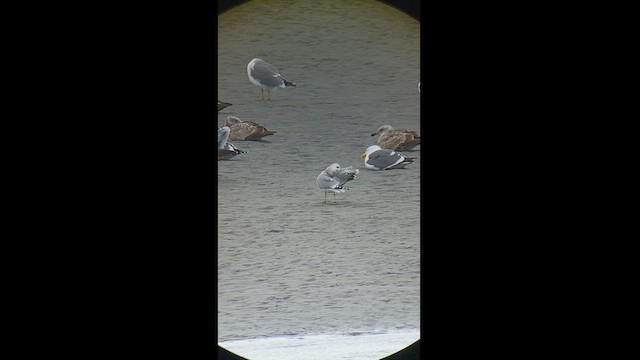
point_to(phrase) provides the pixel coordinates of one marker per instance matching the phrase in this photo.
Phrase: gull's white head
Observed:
(382, 129)
(332, 169)
(231, 120)
(369, 150)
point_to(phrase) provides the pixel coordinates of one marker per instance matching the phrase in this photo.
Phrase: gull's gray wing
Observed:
(325, 181)
(347, 174)
(384, 158)
(266, 74)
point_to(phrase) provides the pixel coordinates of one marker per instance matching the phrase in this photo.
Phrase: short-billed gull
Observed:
(333, 179)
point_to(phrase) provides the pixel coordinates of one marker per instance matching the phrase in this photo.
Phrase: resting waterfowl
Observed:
(377, 158)
(226, 150)
(246, 130)
(396, 140)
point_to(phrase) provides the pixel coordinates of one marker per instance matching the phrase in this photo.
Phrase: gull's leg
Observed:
(325, 197)
(262, 93)
(269, 94)
(334, 197)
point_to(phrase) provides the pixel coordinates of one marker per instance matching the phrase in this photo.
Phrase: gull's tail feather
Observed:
(288, 83)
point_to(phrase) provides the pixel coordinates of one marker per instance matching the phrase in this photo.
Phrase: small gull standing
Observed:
(266, 77)
(396, 140)
(226, 150)
(384, 159)
(246, 130)
(333, 178)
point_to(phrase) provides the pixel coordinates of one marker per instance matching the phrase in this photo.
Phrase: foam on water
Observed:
(363, 346)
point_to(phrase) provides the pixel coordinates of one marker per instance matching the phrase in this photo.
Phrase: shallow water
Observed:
(287, 263)
(322, 347)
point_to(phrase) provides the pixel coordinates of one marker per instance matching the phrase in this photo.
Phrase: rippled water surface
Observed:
(287, 263)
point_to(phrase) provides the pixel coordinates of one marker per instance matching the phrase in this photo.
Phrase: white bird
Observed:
(396, 140)
(378, 158)
(333, 179)
(266, 77)
(226, 150)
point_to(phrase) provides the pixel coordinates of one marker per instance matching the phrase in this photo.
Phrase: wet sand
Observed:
(287, 263)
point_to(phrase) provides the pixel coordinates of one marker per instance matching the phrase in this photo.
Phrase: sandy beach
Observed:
(287, 263)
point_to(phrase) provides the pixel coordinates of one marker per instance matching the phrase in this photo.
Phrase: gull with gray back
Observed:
(266, 77)
(333, 178)
(377, 158)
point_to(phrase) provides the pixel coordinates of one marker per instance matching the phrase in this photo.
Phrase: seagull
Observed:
(222, 105)
(396, 140)
(246, 130)
(333, 178)
(378, 158)
(266, 77)
(226, 150)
